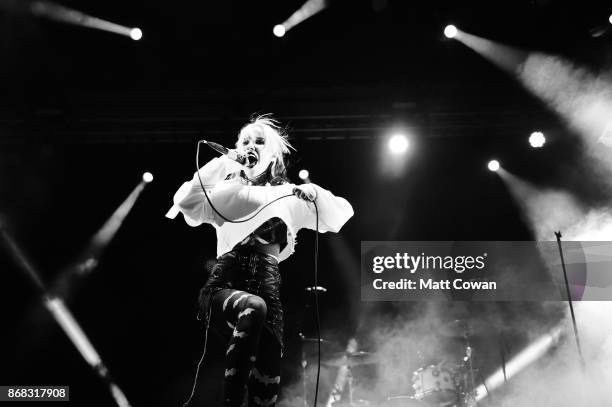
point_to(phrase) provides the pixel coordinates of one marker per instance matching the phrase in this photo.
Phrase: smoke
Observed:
(581, 98)
(550, 210)
(414, 339)
(406, 337)
(596, 225)
(403, 345)
(292, 394)
(584, 101)
(557, 379)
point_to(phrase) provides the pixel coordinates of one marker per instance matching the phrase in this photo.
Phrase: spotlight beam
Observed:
(506, 57)
(308, 9)
(65, 320)
(88, 260)
(111, 226)
(520, 361)
(63, 14)
(577, 94)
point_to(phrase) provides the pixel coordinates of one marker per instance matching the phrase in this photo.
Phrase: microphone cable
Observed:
(211, 204)
(316, 257)
(316, 297)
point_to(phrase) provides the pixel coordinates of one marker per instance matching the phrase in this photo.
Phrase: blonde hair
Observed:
(276, 136)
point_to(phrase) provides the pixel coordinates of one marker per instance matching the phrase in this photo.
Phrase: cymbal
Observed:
(356, 403)
(462, 328)
(315, 340)
(351, 359)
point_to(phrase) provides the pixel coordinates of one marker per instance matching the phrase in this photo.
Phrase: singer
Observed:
(241, 298)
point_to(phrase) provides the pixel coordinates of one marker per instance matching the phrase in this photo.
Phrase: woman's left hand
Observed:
(305, 192)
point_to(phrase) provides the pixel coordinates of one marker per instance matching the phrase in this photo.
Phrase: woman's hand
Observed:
(305, 192)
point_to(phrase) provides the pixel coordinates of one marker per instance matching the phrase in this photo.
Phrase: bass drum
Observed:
(402, 401)
(434, 384)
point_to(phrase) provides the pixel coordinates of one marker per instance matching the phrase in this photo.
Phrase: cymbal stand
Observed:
(349, 380)
(470, 396)
(304, 364)
(311, 290)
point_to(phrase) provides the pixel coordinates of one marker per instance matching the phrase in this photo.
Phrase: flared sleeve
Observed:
(334, 212)
(190, 199)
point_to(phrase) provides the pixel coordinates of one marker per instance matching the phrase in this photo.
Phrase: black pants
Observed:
(242, 300)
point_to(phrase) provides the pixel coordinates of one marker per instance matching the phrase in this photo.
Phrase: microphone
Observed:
(233, 154)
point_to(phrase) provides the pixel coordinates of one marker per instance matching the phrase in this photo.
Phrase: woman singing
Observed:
(242, 296)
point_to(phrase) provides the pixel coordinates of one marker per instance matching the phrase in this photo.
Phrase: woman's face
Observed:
(259, 151)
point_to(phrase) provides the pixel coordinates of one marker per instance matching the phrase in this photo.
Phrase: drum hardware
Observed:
(304, 363)
(304, 340)
(402, 401)
(350, 359)
(465, 329)
(356, 403)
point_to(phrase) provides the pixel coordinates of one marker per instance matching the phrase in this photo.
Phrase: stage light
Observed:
(303, 174)
(147, 177)
(135, 34)
(398, 144)
(610, 19)
(450, 31)
(57, 12)
(537, 139)
(279, 30)
(64, 318)
(493, 165)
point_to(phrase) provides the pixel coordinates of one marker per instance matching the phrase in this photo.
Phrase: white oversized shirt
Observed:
(236, 201)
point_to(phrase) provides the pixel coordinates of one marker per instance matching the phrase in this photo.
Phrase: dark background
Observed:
(84, 113)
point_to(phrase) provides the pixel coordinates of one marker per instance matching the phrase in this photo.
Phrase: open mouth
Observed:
(252, 159)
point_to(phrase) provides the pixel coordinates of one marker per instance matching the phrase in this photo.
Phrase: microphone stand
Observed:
(304, 364)
(569, 301)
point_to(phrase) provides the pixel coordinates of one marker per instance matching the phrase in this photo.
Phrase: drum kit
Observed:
(444, 384)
